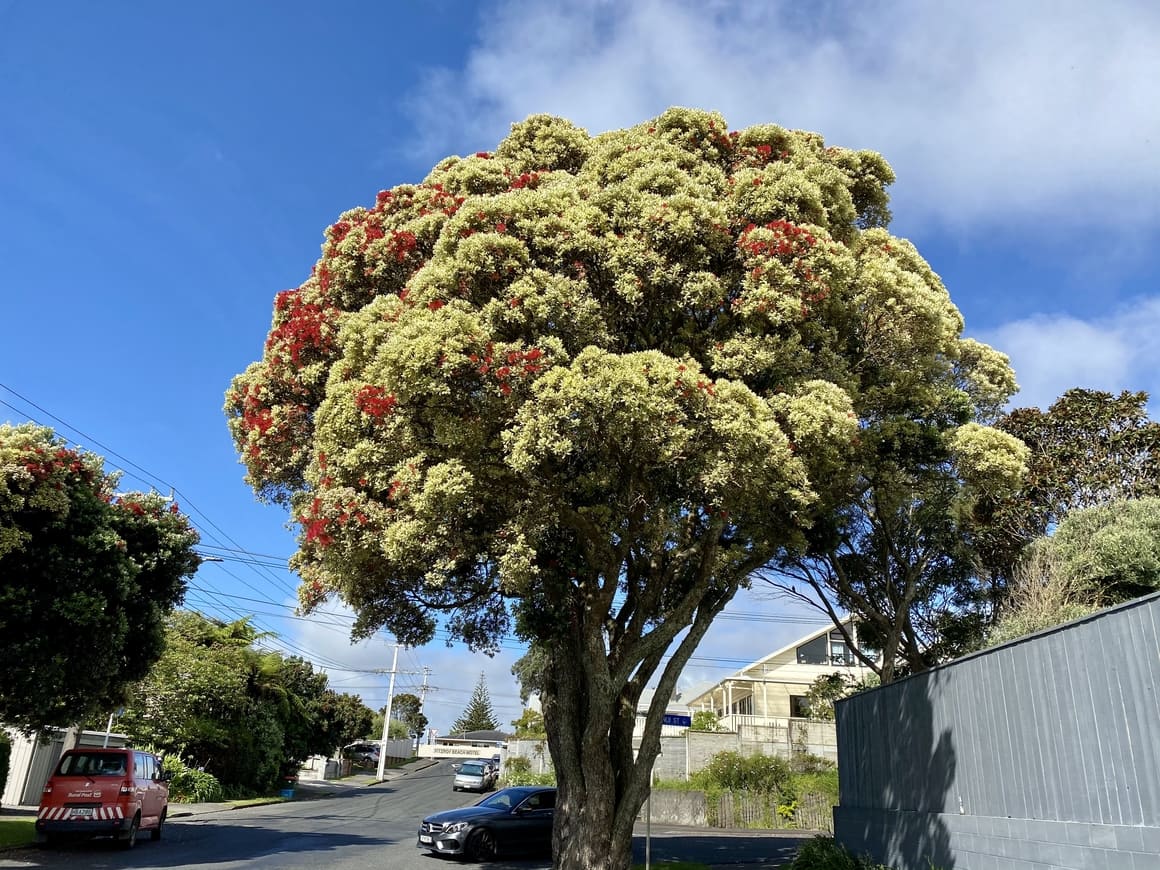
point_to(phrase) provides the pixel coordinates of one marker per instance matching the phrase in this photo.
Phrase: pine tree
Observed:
(479, 715)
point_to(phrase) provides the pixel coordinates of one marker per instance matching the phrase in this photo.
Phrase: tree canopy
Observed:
(530, 725)
(87, 576)
(248, 716)
(1089, 448)
(1111, 550)
(408, 709)
(582, 387)
(478, 715)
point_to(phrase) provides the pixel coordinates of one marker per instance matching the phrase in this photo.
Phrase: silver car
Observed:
(473, 776)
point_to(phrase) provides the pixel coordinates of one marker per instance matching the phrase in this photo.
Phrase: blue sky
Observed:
(165, 169)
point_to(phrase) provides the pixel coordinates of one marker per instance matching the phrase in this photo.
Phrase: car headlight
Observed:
(455, 827)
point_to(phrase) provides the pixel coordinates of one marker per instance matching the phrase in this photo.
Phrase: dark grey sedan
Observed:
(513, 820)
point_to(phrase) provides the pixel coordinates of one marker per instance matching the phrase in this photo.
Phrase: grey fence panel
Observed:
(1061, 728)
(1066, 726)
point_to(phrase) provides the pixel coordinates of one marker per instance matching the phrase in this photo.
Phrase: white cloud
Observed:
(989, 111)
(765, 624)
(1054, 352)
(453, 675)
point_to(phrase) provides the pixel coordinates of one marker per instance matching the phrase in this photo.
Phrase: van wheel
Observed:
(129, 838)
(156, 835)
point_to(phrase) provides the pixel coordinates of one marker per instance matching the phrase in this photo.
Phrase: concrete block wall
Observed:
(966, 842)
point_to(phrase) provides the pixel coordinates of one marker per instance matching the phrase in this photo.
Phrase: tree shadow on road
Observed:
(227, 844)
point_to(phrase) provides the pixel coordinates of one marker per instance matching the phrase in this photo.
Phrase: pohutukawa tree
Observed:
(87, 576)
(581, 387)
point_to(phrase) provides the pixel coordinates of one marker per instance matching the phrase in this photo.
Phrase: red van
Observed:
(104, 793)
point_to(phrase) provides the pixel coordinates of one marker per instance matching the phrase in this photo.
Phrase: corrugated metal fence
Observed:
(1062, 726)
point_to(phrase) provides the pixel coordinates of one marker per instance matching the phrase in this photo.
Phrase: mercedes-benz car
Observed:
(513, 820)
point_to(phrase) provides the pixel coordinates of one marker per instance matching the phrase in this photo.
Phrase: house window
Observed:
(814, 652)
(798, 708)
(826, 650)
(743, 707)
(840, 652)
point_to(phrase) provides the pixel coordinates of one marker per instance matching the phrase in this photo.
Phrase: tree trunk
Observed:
(601, 786)
(590, 697)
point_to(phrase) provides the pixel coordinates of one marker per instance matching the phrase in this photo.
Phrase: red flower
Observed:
(374, 401)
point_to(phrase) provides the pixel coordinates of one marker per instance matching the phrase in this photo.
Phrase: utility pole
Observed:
(422, 699)
(387, 716)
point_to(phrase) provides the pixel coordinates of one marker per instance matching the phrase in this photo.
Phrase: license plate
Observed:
(423, 838)
(79, 812)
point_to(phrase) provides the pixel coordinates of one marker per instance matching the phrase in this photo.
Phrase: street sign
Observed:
(681, 721)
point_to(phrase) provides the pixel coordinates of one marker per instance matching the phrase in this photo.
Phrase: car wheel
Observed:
(156, 835)
(482, 845)
(129, 838)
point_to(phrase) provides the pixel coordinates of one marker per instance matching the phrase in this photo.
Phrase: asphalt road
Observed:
(365, 828)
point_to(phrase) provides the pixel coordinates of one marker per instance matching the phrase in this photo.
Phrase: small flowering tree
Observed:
(582, 387)
(86, 578)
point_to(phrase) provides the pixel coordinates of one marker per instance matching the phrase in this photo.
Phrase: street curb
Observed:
(303, 794)
(402, 772)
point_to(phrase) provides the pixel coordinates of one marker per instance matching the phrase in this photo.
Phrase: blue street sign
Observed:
(682, 721)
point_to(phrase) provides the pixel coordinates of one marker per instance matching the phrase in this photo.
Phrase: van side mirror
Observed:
(164, 776)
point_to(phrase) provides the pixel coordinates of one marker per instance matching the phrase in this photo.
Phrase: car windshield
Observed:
(472, 768)
(92, 764)
(509, 797)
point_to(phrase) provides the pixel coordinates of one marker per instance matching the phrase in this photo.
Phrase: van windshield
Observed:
(92, 764)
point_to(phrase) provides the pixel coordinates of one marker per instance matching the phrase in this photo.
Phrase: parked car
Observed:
(362, 753)
(474, 776)
(104, 793)
(513, 820)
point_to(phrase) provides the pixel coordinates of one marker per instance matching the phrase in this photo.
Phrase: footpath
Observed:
(304, 790)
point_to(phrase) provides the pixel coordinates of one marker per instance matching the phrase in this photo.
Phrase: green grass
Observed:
(674, 865)
(20, 831)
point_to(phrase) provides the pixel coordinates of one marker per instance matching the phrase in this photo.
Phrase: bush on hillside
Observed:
(732, 771)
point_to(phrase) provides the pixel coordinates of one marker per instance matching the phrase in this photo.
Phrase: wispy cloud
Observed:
(990, 111)
(1052, 353)
(363, 669)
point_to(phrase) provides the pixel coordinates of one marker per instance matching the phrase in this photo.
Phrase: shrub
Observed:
(705, 720)
(824, 783)
(732, 771)
(823, 853)
(529, 778)
(803, 762)
(190, 785)
(518, 764)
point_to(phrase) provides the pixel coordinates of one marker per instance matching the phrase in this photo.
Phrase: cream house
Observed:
(771, 691)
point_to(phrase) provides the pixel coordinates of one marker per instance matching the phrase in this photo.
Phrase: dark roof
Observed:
(492, 736)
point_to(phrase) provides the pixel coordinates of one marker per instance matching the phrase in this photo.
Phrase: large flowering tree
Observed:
(86, 578)
(582, 387)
